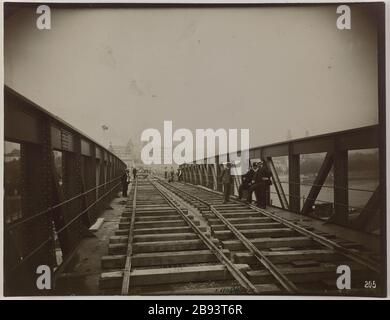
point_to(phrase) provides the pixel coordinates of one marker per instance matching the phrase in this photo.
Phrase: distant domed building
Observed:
(128, 153)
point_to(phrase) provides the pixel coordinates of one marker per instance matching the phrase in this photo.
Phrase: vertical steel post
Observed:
(340, 186)
(294, 182)
(218, 173)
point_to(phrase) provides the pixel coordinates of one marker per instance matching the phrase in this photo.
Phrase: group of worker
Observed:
(126, 180)
(170, 176)
(256, 180)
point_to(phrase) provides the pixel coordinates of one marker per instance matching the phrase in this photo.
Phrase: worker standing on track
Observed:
(179, 174)
(171, 175)
(264, 184)
(125, 182)
(254, 184)
(260, 182)
(134, 172)
(227, 179)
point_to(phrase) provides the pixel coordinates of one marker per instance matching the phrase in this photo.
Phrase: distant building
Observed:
(126, 153)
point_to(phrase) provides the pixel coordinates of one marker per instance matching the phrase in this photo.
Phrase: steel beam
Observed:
(294, 183)
(340, 187)
(218, 173)
(277, 184)
(318, 183)
(353, 139)
(205, 177)
(369, 213)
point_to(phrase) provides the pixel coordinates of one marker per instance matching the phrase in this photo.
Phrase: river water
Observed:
(357, 199)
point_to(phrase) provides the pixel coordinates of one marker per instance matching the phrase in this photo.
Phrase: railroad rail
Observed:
(306, 250)
(163, 249)
(176, 238)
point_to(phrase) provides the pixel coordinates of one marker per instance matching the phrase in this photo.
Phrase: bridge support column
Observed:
(204, 174)
(210, 177)
(218, 173)
(318, 183)
(200, 171)
(188, 169)
(278, 186)
(193, 174)
(340, 186)
(196, 174)
(294, 183)
(215, 176)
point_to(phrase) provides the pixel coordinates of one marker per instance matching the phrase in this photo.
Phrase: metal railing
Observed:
(57, 208)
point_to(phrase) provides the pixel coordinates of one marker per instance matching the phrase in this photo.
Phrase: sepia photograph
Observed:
(178, 150)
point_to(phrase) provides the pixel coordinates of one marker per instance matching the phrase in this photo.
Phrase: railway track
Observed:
(159, 248)
(176, 238)
(296, 259)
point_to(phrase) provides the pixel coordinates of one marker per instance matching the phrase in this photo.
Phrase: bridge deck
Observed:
(368, 240)
(80, 275)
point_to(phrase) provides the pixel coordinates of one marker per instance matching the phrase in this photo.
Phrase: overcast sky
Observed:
(267, 69)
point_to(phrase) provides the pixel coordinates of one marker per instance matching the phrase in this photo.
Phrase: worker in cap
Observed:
(265, 182)
(125, 182)
(260, 182)
(227, 180)
(246, 180)
(253, 183)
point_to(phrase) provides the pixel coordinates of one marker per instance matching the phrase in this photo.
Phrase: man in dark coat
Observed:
(227, 180)
(260, 182)
(125, 182)
(134, 172)
(246, 181)
(254, 183)
(171, 175)
(265, 182)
